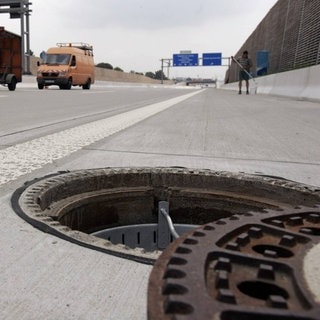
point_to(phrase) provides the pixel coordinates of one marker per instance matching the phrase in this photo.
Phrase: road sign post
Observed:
(189, 59)
(20, 9)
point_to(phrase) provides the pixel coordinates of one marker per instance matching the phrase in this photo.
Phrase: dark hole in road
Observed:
(76, 204)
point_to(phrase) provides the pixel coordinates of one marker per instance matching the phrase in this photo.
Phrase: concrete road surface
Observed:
(41, 132)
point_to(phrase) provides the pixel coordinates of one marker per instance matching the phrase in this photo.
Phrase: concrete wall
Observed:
(300, 84)
(108, 75)
(290, 32)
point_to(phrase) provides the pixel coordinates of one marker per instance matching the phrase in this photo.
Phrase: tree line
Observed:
(158, 75)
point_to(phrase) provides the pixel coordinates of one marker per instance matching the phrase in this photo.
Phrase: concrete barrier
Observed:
(312, 90)
(300, 84)
(265, 84)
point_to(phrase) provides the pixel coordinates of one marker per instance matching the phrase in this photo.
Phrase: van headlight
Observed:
(62, 73)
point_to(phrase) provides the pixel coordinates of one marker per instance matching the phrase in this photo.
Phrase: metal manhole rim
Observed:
(31, 213)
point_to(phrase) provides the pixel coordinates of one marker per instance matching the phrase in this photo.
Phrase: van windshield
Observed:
(57, 59)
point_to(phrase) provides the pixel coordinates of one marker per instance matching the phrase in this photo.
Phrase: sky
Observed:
(136, 34)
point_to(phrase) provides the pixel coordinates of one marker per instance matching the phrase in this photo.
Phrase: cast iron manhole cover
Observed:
(78, 205)
(247, 267)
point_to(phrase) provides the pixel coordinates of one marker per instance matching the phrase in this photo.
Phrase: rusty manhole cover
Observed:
(247, 267)
(76, 205)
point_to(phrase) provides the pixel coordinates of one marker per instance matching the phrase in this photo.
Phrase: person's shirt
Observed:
(245, 62)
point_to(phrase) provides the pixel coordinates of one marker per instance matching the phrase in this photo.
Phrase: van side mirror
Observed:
(38, 63)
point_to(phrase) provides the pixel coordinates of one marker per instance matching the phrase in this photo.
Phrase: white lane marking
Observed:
(23, 158)
(97, 91)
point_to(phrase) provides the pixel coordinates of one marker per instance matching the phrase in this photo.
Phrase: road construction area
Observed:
(48, 131)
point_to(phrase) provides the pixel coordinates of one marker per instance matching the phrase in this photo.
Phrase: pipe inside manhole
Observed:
(81, 205)
(150, 237)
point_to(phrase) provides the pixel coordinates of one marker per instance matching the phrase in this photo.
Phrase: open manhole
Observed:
(116, 210)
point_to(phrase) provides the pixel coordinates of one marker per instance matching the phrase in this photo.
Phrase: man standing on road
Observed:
(246, 64)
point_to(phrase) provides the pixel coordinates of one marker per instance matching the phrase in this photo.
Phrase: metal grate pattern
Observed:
(247, 267)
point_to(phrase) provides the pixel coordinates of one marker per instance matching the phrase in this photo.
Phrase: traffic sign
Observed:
(185, 60)
(211, 59)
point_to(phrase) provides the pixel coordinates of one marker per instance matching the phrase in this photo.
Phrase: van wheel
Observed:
(87, 85)
(40, 86)
(12, 85)
(66, 86)
(69, 84)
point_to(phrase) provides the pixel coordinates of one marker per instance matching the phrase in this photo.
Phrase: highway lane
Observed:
(221, 131)
(44, 277)
(216, 129)
(29, 112)
(23, 158)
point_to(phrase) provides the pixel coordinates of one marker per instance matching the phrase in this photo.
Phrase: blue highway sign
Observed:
(211, 59)
(185, 60)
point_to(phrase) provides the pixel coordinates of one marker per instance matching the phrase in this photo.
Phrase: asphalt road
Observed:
(45, 131)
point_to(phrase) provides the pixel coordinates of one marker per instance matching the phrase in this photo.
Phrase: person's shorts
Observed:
(243, 75)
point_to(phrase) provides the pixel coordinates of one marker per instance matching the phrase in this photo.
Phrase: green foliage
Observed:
(150, 75)
(159, 75)
(104, 65)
